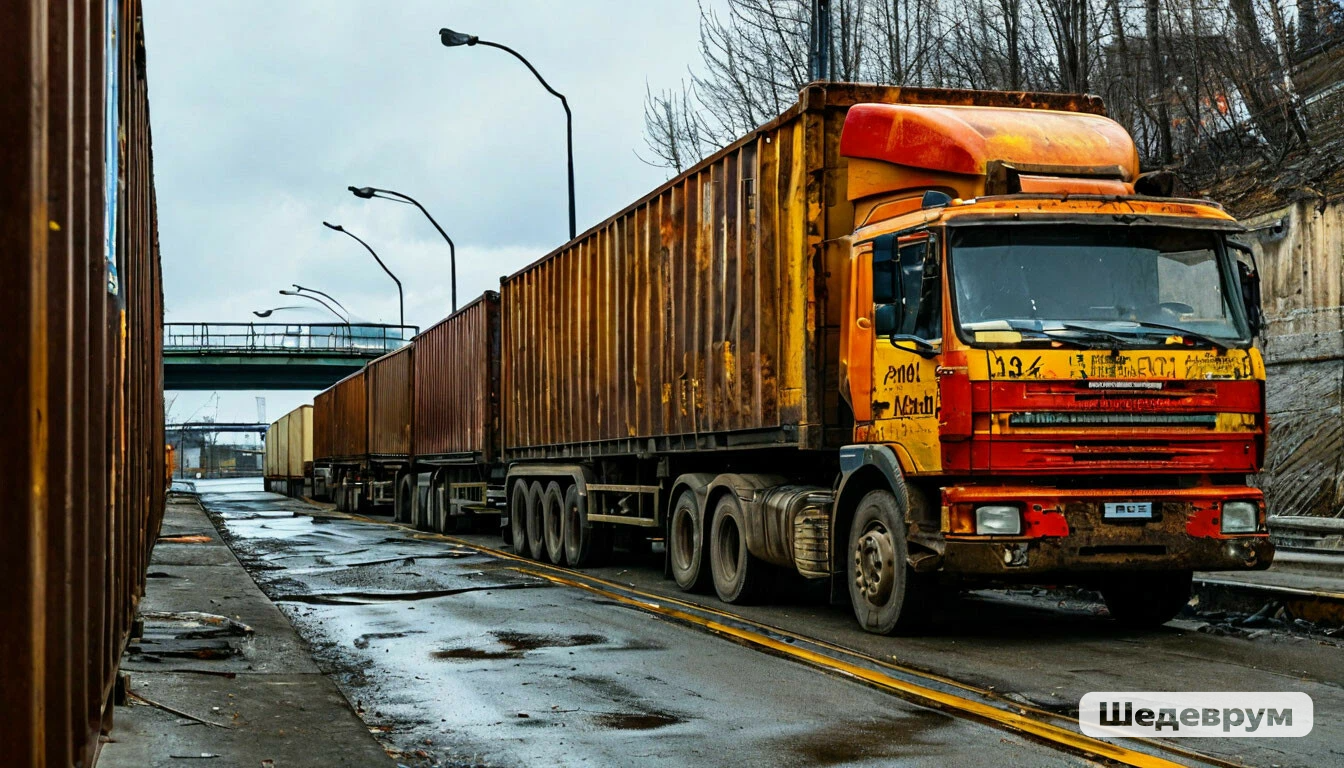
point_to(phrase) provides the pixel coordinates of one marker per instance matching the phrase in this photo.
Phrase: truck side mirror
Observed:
(1250, 294)
(1249, 277)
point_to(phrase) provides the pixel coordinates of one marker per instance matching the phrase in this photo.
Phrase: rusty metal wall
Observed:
(341, 420)
(457, 383)
(388, 380)
(698, 317)
(83, 423)
(1302, 281)
(324, 425)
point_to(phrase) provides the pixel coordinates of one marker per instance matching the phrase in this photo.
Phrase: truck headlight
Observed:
(998, 520)
(1240, 517)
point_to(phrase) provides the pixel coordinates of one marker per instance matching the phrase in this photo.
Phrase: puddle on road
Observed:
(636, 721)
(363, 640)
(517, 644)
(370, 598)
(885, 738)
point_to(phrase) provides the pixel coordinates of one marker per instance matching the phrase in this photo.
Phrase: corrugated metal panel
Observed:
(697, 318)
(281, 438)
(350, 417)
(83, 422)
(294, 447)
(324, 425)
(305, 412)
(273, 458)
(457, 383)
(389, 390)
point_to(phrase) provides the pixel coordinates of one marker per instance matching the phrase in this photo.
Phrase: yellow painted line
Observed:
(908, 690)
(1017, 721)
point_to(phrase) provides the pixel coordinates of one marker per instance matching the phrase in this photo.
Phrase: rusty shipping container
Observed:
(388, 381)
(83, 418)
(340, 420)
(457, 385)
(697, 318)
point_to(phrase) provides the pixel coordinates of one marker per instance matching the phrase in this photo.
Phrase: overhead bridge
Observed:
(232, 356)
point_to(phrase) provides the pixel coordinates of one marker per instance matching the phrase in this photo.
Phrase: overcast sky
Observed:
(264, 112)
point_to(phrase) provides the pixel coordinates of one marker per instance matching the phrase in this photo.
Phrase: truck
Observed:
(903, 341)
(456, 477)
(897, 341)
(418, 429)
(288, 456)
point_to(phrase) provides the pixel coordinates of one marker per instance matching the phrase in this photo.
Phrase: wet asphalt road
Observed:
(460, 658)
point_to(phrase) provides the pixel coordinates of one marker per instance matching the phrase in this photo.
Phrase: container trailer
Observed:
(288, 457)
(898, 340)
(456, 474)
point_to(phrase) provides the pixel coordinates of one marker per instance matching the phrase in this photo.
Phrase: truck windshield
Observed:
(1112, 284)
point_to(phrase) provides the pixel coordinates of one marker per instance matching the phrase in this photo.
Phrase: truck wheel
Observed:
(739, 577)
(887, 595)
(437, 503)
(518, 517)
(1147, 598)
(553, 522)
(578, 536)
(686, 544)
(403, 509)
(536, 534)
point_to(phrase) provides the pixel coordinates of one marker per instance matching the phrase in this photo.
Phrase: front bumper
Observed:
(1064, 532)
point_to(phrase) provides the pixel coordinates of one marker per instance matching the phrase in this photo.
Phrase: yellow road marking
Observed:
(657, 604)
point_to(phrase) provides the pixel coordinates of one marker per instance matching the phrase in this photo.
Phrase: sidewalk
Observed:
(220, 678)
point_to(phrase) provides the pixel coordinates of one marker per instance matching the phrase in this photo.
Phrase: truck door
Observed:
(907, 339)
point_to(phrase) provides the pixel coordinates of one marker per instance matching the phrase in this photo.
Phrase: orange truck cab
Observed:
(1050, 356)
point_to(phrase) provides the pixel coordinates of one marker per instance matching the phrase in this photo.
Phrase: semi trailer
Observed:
(288, 456)
(900, 341)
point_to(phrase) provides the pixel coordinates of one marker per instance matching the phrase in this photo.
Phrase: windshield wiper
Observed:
(1184, 333)
(1115, 339)
(1040, 334)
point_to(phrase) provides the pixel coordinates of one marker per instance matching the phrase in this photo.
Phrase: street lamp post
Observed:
(401, 297)
(453, 39)
(296, 294)
(333, 300)
(368, 193)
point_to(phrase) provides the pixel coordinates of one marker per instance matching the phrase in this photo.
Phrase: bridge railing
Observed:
(286, 338)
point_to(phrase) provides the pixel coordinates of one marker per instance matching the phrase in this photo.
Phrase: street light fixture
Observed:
(401, 297)
(453, 39)
(368, 193)
(328, 307)
(333, 300)
(268, 312)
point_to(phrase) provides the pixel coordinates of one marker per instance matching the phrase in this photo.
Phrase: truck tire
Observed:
(403, 508)
(553, 522)
(888, 597)
(739, 577)
(686, 544)
(518, 517)
(578, 536)
(536, 536)
(1147, 598)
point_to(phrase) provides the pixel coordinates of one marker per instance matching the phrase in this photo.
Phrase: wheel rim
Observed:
(875, 564)
(518, 518)
(553, 520)
(730, 541)
(683, 539)
(572, 524)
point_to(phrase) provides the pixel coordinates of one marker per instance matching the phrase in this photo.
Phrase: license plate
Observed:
(1128, 510)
